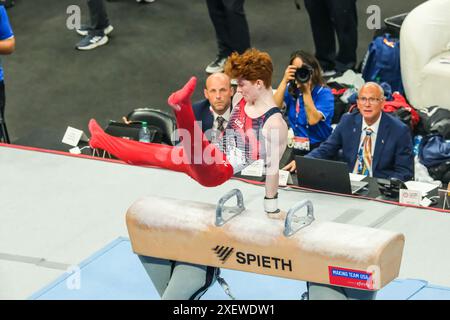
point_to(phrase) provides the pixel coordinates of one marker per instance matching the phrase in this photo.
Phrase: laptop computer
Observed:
(326, 175)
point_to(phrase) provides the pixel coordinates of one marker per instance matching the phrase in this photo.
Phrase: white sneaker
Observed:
(216, 66)
(91, 42)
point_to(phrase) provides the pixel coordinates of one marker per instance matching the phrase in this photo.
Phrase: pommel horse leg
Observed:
(176, 280)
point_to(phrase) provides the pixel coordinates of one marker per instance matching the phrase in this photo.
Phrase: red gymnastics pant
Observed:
(206, 172)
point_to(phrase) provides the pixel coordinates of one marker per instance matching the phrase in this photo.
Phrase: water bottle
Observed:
(144, 133)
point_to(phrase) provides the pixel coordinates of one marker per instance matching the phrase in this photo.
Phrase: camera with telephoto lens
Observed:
(303, 74)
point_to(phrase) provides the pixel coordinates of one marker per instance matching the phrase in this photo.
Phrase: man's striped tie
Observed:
(365, 155)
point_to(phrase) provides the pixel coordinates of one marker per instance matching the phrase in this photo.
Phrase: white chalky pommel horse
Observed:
(235, 238)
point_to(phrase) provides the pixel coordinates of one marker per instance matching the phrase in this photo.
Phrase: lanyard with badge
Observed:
(235, 139)
(300, 143)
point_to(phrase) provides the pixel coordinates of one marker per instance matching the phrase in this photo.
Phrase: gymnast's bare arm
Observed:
(275, 134)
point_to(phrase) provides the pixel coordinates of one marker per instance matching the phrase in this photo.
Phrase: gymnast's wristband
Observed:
(271, 204)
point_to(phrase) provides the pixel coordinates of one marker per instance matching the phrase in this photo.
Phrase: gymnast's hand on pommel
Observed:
(271, 208)
(280, 215)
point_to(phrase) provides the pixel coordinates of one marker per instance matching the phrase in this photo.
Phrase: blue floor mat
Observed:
(112, 273)
(432, 293)
(116, 273)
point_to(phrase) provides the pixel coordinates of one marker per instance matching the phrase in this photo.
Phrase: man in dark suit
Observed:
(214, 112)
(373, 143)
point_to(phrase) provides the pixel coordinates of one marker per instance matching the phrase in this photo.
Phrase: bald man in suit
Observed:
(214, 111)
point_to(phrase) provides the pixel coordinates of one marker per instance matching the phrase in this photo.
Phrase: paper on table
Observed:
(356, 177)
(256, 169)
(420, 186)
(284, 178)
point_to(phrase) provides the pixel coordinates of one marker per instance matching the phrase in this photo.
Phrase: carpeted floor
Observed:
(153, 50)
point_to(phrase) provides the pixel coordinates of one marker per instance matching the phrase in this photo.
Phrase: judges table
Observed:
(438, 198)
(57, 209)
(372, 192)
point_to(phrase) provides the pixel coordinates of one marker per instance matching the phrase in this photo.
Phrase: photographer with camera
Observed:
(309, 102)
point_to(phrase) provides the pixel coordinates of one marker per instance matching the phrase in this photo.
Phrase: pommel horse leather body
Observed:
(323, 252)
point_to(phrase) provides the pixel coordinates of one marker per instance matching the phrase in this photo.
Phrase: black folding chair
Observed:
(163, 123)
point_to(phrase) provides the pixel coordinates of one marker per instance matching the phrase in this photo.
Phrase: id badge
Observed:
(301, 143)
(236, 156)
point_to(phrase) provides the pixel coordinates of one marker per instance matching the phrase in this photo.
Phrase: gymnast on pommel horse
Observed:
(256, 130)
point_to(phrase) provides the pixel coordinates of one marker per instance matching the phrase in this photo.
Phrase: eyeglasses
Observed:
(363, 100)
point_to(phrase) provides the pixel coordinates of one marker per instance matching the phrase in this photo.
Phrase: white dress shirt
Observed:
(226, 116)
